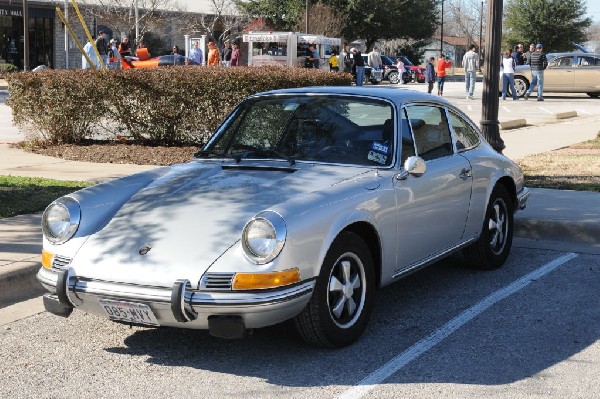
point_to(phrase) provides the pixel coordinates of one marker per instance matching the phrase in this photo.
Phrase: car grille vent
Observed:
(60, 262)
(217, 281)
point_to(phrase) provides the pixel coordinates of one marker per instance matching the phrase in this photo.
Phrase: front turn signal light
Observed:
(258, 281)
(47, 259)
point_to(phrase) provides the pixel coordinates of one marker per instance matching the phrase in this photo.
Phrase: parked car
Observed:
(301, 206)
(391, 71)
(419, 72)
(163, 60)
(387, 72)
(566, 73)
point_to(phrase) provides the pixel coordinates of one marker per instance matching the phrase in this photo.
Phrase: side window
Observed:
(408, 144)
(465, 134)
(430, 130)
(589, 61)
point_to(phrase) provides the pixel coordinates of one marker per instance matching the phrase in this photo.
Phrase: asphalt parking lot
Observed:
(445, 330)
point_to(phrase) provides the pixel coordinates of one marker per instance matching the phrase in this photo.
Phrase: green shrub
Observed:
(175, 105)
(8, 68)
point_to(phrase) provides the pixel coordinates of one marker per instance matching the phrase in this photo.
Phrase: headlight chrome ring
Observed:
(60, 220)
(263, 237)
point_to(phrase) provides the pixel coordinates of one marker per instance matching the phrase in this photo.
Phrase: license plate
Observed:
(129, 312)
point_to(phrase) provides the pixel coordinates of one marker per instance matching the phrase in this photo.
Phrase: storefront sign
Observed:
(6, 12)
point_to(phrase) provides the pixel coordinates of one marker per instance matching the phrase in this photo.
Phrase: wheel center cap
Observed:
(348, 290)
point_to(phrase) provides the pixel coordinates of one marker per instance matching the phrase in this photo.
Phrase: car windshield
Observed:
(336, 129)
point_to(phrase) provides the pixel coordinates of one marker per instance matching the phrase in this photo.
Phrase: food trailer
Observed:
(288, 48)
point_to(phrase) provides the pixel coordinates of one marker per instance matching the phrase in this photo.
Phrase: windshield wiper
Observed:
(265, 151)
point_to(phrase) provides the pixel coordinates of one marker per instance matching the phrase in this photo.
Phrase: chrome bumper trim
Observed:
(522, 197)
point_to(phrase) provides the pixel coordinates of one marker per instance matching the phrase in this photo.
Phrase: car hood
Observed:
(188, 217)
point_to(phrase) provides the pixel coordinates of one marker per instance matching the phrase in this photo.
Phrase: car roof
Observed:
(384, 92)
(574, 54)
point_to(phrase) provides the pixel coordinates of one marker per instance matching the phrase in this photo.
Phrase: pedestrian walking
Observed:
(333, 62)
(440, 70)
(508, 75)
(213, 54)
(196, 54)
(236, 55)
(471, 65)
(358, 66)
(538, 63)
(430, 74)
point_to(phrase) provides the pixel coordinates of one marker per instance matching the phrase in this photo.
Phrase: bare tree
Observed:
(322, 21)
(225, 20)
(464, 19)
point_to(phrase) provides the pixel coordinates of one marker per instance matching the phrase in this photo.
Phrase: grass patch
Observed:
(573, 168)
(23, 195)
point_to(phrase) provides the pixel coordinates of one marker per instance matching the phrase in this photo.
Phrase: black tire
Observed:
(493, 246)
(593, 95)
(341, 304)
(521, 86)
(393, 77)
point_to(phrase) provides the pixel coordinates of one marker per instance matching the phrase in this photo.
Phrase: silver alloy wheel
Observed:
(520, 86)
(393, 77)
(346, 290)
(498, 226)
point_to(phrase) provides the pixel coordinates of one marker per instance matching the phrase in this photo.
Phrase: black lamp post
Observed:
(480, 34)
(25, 35)
(306, 16)
(442, 30)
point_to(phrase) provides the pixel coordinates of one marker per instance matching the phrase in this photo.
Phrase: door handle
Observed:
(465, 174)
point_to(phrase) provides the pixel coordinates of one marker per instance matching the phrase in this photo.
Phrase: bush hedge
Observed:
(164, 106)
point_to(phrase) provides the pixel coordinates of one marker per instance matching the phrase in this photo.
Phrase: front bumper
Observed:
(178, 306)
(522, 197)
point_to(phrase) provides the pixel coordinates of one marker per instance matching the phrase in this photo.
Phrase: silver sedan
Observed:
(302, 205)
(566, 73)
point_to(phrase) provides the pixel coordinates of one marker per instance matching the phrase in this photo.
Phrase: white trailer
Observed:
(288, 48)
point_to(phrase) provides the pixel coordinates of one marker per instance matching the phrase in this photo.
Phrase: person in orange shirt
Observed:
(440, 69)
(213, 54)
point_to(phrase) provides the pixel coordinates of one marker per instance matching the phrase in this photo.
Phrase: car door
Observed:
(560, 74)
(432, 209)
(587, 75)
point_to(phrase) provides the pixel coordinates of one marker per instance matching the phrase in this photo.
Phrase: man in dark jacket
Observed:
(430, 74)
(517, 55)
(538, 63)
(102, 46)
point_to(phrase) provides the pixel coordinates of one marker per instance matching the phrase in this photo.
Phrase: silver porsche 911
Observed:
(302, 205)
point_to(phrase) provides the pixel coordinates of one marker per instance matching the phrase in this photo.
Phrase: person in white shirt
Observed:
(508, 75)
(374, 59)
(89, 50)
(471, 65)
(196, 54)
(401, 70)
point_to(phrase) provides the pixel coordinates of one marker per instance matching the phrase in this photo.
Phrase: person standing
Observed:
(440, 70)
(333, 62)
(471, 65)
(358, 66)
(527, 55)
(430, 74)
(517, 56)
(401, 70)
(213, 54)
(236, 55)
(89, 50)
(538, 63)
(227, 54)
(114, 58)
(374, 58)
(175, 50)
(196, 54)
(346, 58)
(314, 56)
(102, 47)
(508, 75)
(125, 47)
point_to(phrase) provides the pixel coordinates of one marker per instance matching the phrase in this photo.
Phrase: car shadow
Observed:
(513, 340)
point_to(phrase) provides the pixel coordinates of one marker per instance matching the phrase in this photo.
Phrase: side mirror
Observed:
(413, 166)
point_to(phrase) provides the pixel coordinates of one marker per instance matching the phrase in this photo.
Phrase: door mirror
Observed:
(413, 166)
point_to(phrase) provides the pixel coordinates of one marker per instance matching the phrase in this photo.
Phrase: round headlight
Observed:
(263, 237)
(61, 220)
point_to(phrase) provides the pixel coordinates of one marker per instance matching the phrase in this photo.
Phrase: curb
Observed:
(557, 230)
(513, 124)
(19, 283)
(566, 115)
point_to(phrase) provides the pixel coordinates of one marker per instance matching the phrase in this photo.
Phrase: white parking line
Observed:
(370, 382)
(583, 112)
(545, 110)
(506, 108)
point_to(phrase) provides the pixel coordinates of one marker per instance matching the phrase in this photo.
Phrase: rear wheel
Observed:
(521, 86)
(393, 77)
(341, 303)
(493, 246)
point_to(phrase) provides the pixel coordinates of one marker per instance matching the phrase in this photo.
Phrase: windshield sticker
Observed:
(380, 148)
(377, 157)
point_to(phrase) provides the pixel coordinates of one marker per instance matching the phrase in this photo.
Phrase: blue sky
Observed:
(593, 8)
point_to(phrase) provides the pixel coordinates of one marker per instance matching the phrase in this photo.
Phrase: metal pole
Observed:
(25, 35)
(306, 16)
(480, 34)
(442, 30)
(77, 42)
(137, 22)
(491, 78)
(88, 34)
(66, 35)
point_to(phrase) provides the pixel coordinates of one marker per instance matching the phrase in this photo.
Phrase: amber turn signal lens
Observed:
(47, 259)
(257, 281)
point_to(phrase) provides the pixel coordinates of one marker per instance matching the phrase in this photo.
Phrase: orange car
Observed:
(143, 60)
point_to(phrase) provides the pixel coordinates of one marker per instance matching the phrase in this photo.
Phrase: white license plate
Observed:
(129, 312)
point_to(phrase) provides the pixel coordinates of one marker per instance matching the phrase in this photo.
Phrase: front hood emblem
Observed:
(144, 250)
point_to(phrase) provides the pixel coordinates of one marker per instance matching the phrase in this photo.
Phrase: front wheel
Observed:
(340, 306)
(393, 77)
(521, 86)
(493, 246)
